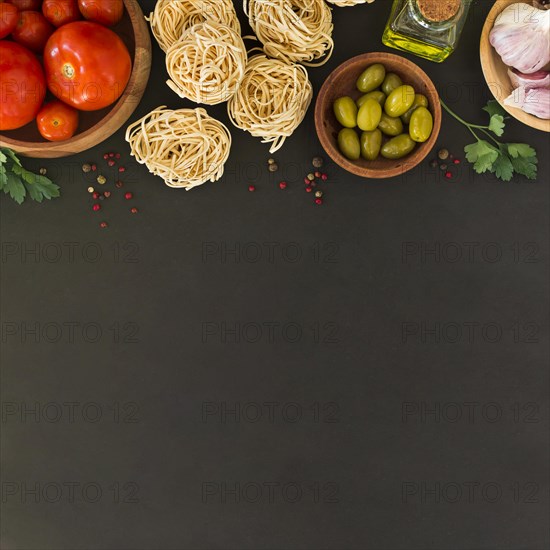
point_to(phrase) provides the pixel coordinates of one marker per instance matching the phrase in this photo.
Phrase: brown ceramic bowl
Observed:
(496, 72)
(96, 126)
(341, 82)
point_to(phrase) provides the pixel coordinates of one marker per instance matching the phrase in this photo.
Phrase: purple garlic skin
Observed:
(540, 79)
(535, 101)
(521, 36)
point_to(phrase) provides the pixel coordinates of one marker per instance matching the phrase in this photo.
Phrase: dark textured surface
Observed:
(363, 370)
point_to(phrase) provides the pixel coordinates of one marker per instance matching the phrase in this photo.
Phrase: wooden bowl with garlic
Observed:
(515, 58)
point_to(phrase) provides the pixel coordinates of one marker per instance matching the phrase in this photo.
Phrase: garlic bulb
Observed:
(535, 102)
(521, 36)
(540, 79)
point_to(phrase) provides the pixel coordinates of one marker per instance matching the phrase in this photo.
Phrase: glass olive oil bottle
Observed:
(427, 28)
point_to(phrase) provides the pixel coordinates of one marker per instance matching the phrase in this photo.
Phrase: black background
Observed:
(350, 293)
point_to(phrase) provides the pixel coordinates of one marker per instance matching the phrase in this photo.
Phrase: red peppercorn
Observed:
(94, 167)
(318, 201)
(107, 194)
(282, 185)
(96, 207)
(318, 174)
(118, 184)
(313, 184)
(111, 155)
(103, 225)
(111, 163)
(134, 210)
(307, 181)
(324, 177)
(95, 195)
(122, 169)
(309, 189)
(106, 156)
(117, 156)
(448, 175)
(456, 161)
(251, 188)
(128, 196)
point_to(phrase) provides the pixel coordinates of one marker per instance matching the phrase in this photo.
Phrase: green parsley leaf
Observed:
(521, 150)
(493, 107)
(15, 188)
(12, 156)
(497, 125)
(3, 176)
(503, 168)
(525, 166)
(3, 158)
(482, 155)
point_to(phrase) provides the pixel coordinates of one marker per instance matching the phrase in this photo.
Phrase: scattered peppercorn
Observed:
(318, 201)
(443, 154)
(106, 156)
(456, 161)
(101, 180)
(443, 167)
(273, 167)
(311, 177)
(251, 188)
(117, 156)
(111, 155)
(128, 196)
(313, 184)
(122, 169)
(93, 167)
(90, 189)
(107, 194)
(86, 168)
(309, 189)
(134, 210)
(103, 225)
(282, 185)
(433, 163)
(42, 171)
(101, 197)
(271, 161)
(324, 177)
(118, 184)
(317, 162)
(318, 194)
(448, 175)
(95, 195)
(96, 207)
(111, 163)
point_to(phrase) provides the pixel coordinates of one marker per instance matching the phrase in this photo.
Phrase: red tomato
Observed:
(104, 12)
(22, 85)
(23, 5)
(32, 30)
(8, 19)
(61, 12)
(87, 65)
(57, 121)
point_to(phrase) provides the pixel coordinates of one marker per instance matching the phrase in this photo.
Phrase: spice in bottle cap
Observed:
(438, 10)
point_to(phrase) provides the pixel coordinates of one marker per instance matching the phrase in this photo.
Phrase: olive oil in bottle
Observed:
(427, 28)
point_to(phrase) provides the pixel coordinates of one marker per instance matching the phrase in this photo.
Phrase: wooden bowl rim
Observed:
(490, 58)
(408, 162)
(122, 109)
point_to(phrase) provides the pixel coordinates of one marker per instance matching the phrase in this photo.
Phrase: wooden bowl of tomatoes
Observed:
(71, 72)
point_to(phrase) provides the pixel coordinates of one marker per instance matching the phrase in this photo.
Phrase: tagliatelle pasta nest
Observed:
(272, 100)
(171, 18)
(293, 30)
(207, 64)
(185, 147)
(346, 3)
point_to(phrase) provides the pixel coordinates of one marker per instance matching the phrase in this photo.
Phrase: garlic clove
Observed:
(540, 79)
(535, 101)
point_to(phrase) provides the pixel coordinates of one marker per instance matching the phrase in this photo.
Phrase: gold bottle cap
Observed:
(438, 10)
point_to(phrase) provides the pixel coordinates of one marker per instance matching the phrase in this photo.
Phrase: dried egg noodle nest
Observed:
(292, 30)
(207, 64)
(272, 100)
(186, 147)
(346, 3)
(171, 18)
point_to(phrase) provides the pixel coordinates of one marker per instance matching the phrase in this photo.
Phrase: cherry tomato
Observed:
(57, 121)
(61, 12)
(24, 5)
(32, 30)
(22, 83)
(104, 12)
(8, 19)
(87, 65)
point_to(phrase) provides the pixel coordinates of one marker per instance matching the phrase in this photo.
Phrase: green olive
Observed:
(370, 144)
(348, 143)
(377, 95)
(346, 112)
(422, 124)
(371, 78)
(399, 101)
(419, 101)
(391, 82)
(390, 126)
(397, 147)
(369, 115)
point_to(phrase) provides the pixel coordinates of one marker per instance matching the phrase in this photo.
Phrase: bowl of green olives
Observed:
(378, 115)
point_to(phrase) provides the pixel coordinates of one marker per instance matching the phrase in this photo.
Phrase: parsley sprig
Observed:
(502, 159)
(18, 182)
